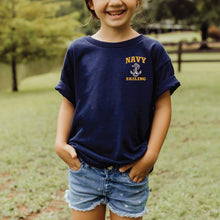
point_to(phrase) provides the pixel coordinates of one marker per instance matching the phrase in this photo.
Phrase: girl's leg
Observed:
(96, 214)
(116, 217)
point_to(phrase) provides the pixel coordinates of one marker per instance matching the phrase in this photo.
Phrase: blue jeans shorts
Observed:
(90, 186)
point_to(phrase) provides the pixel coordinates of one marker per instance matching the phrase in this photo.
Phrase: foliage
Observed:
(214, 32)
(208, 11)
(33, 29)
(163, 9)
(196, 11)
(88, 25)
(30, 29)
(200, 12)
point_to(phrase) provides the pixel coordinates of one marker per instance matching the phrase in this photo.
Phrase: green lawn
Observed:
(184, 184)
(188, 36)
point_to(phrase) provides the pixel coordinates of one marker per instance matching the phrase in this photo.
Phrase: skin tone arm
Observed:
(161, 121)
(64, 122)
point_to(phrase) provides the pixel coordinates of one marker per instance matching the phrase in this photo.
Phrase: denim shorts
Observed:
(90, 186)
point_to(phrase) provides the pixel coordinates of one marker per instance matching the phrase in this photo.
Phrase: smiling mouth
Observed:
(115, 13)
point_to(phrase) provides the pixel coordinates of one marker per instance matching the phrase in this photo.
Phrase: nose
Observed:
(115, 2)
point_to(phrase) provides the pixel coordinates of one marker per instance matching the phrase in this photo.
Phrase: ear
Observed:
(91, 6)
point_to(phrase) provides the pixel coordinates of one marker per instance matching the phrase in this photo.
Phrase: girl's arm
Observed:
(160, 125)
(64, 122)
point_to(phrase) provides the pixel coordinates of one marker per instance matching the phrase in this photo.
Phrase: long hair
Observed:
(88, 4)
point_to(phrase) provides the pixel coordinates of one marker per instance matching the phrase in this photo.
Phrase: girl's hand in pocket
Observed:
(68, 154)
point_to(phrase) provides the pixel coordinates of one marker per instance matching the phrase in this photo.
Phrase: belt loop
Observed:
(110, 167)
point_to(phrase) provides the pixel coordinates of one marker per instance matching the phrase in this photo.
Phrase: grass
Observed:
(196, 56)
(188, 36)
(31, 176)
(184, 184)
(186, 181)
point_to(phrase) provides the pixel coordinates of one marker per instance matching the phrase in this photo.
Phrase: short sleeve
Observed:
(163, 73)
(66, 84)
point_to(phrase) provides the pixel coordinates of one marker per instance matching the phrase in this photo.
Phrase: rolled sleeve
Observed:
(65, 91)
(166, 80)
(66, 85)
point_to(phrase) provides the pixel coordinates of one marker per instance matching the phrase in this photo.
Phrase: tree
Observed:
(172, 9)
(89, 25)
(200, 12)
(208, 13)
(30, 29)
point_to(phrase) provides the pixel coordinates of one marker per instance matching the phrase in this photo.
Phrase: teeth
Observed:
(116, 13)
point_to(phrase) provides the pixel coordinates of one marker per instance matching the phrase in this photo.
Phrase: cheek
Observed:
(99, 9)
(98, 5)
(132, 7)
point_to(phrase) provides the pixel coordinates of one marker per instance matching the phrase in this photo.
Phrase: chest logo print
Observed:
(136, 71)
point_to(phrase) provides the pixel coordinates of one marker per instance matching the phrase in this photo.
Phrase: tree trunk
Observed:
(14, 75)
(13, 60)
(204, 30)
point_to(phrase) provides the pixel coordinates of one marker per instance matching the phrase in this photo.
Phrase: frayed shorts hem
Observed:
(94, 205)
(90, 186)
(129, 215)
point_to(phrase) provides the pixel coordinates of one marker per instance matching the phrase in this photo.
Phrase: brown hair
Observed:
(88, 4)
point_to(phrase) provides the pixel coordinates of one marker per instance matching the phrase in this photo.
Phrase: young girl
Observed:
(114, 115)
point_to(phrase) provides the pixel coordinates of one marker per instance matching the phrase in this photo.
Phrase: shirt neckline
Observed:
(115, 44)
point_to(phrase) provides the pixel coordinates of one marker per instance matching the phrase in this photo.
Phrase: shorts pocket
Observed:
(142, 182)
(79, 170)
(130, 181)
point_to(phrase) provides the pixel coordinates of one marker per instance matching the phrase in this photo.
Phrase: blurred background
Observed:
(34, 36)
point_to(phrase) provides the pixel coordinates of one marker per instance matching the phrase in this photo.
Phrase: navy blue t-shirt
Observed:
(113, 87)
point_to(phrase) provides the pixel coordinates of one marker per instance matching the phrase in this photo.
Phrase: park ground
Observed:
(183, 186)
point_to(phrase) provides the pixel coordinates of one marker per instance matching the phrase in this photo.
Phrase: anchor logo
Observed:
(136, 71)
